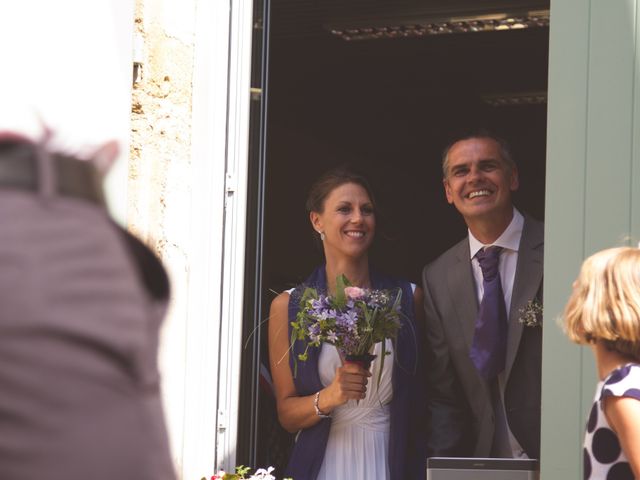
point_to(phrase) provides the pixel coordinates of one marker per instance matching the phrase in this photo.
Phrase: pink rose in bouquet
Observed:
(354, 293)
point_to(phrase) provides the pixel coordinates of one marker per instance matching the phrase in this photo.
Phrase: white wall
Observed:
(186, 200)
(116, 181)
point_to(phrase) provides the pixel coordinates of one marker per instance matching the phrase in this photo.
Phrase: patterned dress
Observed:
(603, 456)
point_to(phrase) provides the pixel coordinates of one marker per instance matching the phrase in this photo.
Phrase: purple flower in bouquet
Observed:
(314, 332)
(348, 319)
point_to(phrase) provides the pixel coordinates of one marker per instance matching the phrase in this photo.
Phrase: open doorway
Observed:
(388, 105)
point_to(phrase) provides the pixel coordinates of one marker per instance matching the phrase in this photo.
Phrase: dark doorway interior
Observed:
(389, 106)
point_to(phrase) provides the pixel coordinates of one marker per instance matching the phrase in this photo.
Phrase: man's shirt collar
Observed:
(510, 238)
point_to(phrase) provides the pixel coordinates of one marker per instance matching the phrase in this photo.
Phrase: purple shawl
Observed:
(406, 439)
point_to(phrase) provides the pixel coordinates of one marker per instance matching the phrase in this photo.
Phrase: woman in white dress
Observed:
(349, 424)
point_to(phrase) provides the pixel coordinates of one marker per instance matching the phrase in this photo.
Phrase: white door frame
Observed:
(220, 141)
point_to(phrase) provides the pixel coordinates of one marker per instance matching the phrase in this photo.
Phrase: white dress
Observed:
(358, 444)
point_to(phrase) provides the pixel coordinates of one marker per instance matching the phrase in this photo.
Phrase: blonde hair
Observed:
(605, 303)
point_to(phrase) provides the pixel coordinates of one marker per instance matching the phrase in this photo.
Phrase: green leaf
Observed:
(398, 298)
(308, 294)
(340, 299)
(242, 470)
(291, 343)
(384, 354)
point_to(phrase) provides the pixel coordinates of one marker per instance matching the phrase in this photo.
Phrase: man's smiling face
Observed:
(479, 182)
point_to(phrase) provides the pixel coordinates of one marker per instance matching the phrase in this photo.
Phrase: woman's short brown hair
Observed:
(605, 303)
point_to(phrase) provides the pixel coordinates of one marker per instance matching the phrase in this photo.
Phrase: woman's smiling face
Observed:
(347, 221)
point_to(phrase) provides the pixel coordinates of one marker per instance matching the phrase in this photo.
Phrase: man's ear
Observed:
(514, 182)
(447, 190)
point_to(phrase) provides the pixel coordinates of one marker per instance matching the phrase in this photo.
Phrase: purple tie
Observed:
(490, 338)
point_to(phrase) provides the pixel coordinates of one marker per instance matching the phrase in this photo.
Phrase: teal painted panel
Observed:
(562, 422)
(609, 131)
(593, 192)
(635, 158)
(609, 140)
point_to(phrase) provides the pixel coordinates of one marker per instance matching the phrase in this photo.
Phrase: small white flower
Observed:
(262, 474)
(331, 336)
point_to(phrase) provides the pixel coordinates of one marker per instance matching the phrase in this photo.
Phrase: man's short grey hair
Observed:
(505, 149)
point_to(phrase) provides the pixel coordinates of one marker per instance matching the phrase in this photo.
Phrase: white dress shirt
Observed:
(510, 242)
(65, 68)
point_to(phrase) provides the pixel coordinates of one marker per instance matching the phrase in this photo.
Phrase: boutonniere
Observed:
(531, 314)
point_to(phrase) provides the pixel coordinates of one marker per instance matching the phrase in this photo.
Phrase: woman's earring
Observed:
(322, 236)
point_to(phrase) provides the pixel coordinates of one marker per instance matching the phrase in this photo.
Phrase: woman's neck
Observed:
(606, 360)
(356, 271)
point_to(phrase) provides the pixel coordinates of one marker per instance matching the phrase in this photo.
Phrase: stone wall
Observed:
(159, 173)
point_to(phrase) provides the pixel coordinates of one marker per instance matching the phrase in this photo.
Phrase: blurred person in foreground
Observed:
(81, 301)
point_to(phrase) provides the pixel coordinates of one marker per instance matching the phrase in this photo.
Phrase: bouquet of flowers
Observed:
(353, 320)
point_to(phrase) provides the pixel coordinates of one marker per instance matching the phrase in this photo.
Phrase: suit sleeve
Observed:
(449, 419)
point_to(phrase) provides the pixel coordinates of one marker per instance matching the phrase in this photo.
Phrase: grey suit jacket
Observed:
(459, 407)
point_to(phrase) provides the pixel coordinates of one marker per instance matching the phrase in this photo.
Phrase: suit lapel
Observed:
(526, 283)
(463, 294)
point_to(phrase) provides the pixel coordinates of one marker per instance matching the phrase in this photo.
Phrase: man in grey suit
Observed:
(476, 411)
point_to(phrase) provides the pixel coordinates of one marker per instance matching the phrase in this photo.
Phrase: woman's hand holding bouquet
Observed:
(353, 320)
